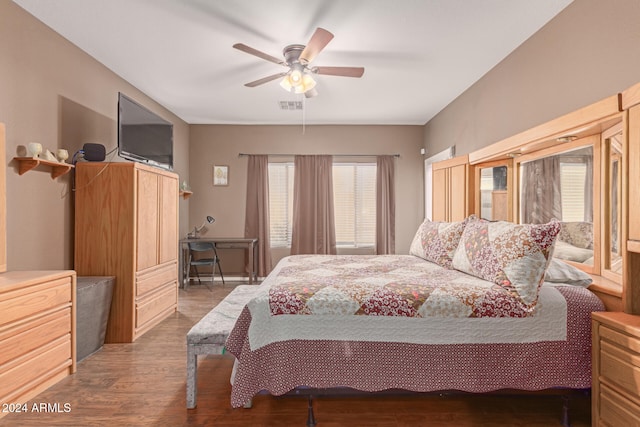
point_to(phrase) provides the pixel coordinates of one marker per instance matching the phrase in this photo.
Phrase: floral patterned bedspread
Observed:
(389, 285)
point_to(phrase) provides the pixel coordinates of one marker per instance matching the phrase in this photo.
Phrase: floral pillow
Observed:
(579, 234)
(515, 256)
(436, 241)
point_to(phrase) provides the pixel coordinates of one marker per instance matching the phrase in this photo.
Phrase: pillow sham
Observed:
(577, 233)
(514, 256)
(560, 272)
(436, 241)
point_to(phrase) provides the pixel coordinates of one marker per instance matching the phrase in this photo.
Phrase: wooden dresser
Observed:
(126, 225)
(616, 369)
(37, 332)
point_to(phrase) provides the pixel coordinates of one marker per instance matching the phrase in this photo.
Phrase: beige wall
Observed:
(221, 144)
(590, 51)
(53, 93)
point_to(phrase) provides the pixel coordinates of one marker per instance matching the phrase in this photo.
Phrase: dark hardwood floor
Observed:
(143, 384)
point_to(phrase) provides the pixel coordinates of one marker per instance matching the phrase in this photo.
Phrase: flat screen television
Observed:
(143, 136)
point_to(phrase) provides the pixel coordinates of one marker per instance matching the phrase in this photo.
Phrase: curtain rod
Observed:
(334, 155)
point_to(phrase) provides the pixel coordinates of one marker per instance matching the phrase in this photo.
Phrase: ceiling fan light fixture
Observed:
(311, 93)
(308, 82)
(297, 82)
(298, 79)
(286, 83)
(295, 77)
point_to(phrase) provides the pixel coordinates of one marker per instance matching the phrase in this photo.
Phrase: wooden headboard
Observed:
(586, 127)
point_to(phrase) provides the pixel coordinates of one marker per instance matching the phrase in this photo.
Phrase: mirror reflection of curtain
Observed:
(588, 189)
(541, 197)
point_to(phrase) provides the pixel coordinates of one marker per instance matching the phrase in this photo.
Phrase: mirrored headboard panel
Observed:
(553, 166)
(612, 149)
(493, 197)
(563, 183)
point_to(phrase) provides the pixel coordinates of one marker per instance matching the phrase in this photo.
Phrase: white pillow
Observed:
(560, 272)
(564, 250)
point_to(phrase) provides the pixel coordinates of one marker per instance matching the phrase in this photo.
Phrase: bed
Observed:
(475, 307)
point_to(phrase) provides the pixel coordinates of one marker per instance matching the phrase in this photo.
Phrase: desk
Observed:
(248, 243)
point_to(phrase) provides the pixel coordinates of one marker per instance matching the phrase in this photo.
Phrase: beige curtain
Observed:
(385, 206)
(256, 223)
(540, 200)
(313, 230)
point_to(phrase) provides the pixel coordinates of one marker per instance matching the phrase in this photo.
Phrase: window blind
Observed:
(280, 203)
(354, 198)
(354, 192)
(572, 188)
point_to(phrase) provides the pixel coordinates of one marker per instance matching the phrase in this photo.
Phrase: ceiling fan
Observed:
(299, 77)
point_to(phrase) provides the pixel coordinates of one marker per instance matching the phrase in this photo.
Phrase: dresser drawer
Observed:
(33, 367)
(160, 302)
(27, 337)
(155, 278)
(33, 300)
(620, 368)
(623, 340)
(615, 410)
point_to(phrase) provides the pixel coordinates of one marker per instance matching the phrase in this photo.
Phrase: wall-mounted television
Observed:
(143, 136)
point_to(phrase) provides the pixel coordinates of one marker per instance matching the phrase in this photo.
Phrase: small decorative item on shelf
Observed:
(185, 190)
(48, 155)
(35, 148)
(62, 155)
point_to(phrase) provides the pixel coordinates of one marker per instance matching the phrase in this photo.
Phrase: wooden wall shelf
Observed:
(186, 194)
(25, 164)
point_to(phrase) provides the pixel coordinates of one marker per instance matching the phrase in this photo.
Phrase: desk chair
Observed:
(205, 255)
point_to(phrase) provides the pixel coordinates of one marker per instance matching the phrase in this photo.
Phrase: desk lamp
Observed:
(196, 230)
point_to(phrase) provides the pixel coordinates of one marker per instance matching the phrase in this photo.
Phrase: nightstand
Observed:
(616, 369)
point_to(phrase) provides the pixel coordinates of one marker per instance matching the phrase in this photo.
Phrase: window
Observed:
(354, 200)
(280, 203)
(354, 194)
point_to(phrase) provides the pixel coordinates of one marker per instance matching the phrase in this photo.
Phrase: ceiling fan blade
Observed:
(255, 52)
(265, 80)
(318, 41)
(340, 71)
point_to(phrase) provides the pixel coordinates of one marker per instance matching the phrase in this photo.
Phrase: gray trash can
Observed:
(93, 302)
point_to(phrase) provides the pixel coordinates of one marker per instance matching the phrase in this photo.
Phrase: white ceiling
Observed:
(418, 55)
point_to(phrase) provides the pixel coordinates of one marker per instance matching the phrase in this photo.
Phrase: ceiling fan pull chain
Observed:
(304, 113)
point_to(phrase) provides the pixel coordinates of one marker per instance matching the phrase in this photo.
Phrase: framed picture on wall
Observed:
(220, 175)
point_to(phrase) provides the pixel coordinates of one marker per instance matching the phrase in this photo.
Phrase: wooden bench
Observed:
(209, 335)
